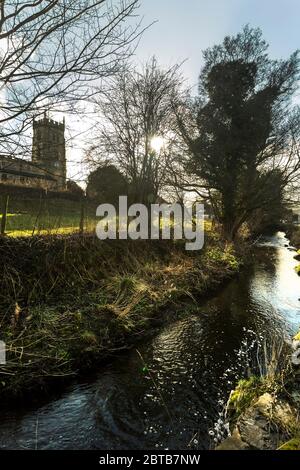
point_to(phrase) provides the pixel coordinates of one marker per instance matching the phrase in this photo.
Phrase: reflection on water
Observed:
(276, 286)
(171, 398)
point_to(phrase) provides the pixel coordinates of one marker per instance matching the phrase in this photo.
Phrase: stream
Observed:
(170, 392)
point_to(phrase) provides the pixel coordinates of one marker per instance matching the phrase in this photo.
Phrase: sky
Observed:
(183, 28)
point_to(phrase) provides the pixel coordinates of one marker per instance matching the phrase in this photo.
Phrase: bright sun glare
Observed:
(157, 143)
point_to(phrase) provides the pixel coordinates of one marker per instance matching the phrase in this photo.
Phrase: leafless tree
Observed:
(53, 54)
(135, 127)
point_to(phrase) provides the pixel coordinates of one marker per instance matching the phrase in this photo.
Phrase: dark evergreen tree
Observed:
(244, 127)
(106, 184)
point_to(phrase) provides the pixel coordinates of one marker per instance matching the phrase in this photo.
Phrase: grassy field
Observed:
(26, 224)
(46, 217)
(52, 217)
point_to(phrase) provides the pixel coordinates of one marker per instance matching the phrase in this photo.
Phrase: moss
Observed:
(89, 337)
(292, 444)
(297, 337)
(245, 392)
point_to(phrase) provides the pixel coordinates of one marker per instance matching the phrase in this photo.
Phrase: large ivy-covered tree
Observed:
(245, 128)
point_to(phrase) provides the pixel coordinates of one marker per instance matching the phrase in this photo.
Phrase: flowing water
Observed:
(170, 392)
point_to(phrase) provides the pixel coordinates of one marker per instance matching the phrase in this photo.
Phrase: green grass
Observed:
(27, 224)
(52, 216)
(46, 216)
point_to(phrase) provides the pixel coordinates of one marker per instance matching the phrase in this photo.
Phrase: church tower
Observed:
(49, 149)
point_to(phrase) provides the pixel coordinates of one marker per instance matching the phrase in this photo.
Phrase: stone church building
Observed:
(47, 168)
